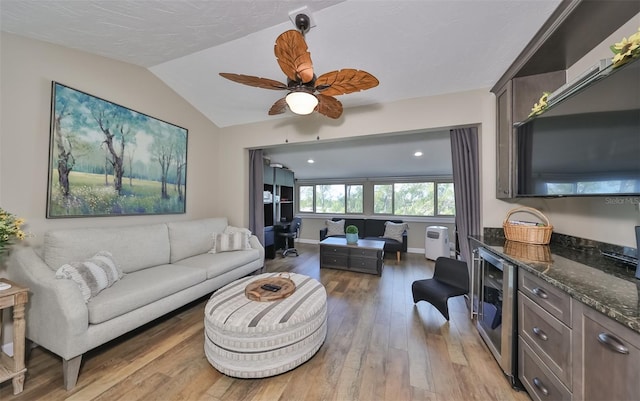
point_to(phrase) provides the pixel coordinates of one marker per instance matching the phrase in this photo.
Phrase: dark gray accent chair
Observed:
(450, 279)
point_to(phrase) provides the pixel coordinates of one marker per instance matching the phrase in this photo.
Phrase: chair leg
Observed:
(398, 256)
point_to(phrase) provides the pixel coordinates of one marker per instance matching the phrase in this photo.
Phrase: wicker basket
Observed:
(528, 252)
(525, 233)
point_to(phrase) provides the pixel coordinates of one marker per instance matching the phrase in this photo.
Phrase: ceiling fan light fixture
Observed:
(301, 103)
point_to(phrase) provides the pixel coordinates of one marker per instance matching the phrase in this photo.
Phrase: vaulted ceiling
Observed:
(415, 48)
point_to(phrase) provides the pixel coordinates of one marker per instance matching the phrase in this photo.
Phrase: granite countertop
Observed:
(588, 277)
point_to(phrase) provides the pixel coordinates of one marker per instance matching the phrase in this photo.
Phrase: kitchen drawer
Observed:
(550, 298)
(540, 382)
(364, 264)
(334, 260)
(548, 337)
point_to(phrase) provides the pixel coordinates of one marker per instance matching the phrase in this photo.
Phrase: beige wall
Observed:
(27, 69)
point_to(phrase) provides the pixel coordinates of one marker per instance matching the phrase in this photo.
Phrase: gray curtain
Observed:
(466, 182)
(256, 186)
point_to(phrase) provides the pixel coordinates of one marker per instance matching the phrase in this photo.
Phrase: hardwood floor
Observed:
(379, 346)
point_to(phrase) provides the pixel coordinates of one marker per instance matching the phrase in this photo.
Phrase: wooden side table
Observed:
(13, 367)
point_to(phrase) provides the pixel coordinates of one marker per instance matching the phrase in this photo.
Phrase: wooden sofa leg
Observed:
(398, 256)
(70, 371)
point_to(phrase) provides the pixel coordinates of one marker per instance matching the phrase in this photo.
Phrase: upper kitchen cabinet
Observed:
(575, 27)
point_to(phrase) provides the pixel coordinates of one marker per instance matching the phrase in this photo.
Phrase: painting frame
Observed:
(108, 160)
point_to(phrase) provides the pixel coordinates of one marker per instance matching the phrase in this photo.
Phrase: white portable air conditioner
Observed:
(436, 242)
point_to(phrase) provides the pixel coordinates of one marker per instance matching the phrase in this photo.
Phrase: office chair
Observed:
(290, 235)
(450, 279)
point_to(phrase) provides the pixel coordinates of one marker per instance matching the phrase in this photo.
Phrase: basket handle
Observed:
(530, 210)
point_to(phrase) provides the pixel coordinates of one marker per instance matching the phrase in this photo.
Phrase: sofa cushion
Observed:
(142, 288)
(134, 247)
(92, 275)
(216, 264)
(394, 230)
(226, 242)
(334, 227)
(189, 238)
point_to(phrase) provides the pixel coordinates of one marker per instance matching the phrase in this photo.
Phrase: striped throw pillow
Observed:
(225, 242)
(92, 275)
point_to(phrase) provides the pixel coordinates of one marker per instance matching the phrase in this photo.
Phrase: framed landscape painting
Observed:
(108, 160)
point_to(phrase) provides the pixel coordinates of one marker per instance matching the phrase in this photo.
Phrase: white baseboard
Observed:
(8, 349)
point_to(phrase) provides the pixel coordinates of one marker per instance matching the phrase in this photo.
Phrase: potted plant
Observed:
(352, 234)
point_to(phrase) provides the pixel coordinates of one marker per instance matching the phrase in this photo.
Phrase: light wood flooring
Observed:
(379, 346)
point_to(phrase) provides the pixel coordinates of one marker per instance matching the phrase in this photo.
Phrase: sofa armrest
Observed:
(323, 233)
(255, 244)
(56, 313)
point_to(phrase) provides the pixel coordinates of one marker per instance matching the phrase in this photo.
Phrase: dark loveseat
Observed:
(373, 229)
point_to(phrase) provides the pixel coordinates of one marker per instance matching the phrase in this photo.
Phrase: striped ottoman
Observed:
(250, 339)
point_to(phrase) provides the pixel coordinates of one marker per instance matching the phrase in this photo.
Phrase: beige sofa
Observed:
(165, 267)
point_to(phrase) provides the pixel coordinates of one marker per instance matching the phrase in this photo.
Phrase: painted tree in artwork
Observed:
(67, 135)
(181, 160)
(162, 150)
(118, 126)
(63, 144)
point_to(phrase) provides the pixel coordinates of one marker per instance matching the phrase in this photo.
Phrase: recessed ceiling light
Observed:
(418, 154)
(310, 161)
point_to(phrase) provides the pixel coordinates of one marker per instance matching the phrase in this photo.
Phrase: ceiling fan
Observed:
(307, 93)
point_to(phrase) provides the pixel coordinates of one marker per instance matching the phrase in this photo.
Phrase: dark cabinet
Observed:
(565, 38)
(611, 358)
(278, 201)
(513, 104)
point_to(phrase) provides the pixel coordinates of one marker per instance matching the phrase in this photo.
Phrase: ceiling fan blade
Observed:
(293, 56)
(278, 107)
(345, 81)
(329, 106)
(264, 83)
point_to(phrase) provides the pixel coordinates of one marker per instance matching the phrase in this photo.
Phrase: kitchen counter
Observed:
(587, 276)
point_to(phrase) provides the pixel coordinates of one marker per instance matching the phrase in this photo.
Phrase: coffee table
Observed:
(367, 256)
(253, 339)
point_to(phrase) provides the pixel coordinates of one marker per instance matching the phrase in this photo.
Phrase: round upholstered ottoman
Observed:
(251, 339)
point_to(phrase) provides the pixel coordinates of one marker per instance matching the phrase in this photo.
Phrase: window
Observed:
(425, 198)
(331, 198)
(414, 199)
(305, 198)
(355, 199)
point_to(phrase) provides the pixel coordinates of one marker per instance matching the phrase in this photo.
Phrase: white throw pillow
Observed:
(245, 231)
(92, 275)
(223, 242)
(394, 230)
(335, 227)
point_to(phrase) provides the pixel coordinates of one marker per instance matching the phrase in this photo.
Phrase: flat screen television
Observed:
(586, 145)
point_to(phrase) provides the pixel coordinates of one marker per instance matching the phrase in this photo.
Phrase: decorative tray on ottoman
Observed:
(281, 287)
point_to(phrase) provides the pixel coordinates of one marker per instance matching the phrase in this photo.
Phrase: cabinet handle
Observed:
(539, 292)
(613, 343)
(538, 384)
(540, 333)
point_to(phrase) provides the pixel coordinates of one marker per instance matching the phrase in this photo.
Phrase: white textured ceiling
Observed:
(414, 48)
